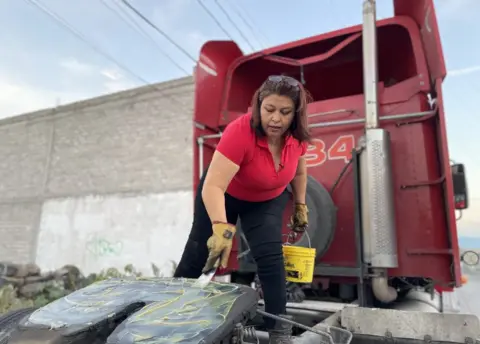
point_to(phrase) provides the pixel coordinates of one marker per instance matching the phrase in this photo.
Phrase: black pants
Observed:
(262, 225)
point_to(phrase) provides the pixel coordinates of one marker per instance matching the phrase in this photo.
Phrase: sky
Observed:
(42, 64)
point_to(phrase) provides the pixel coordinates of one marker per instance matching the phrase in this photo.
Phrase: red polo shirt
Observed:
(257, 180)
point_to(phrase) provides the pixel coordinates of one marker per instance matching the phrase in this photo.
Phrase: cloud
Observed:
(194, 41)
(466, 230)
(180, 21)
(464, 71)
(469, 223)
(74, 66)
(116, 80)
(17, 97)
(168, 14)
(112, 74)
(111, 79)
(455, 9)
(121, 84)
(77, 80)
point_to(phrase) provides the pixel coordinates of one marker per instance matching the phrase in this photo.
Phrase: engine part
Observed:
(378, 220)
(320, 306)
(370, 64)
(118, 311)
(421, 301)
(378, 212)
(381, 289)
(327, 333)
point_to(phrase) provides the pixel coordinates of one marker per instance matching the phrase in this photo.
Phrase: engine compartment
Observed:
(160, 310)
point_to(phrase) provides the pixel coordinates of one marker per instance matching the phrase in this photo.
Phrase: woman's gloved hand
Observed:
(299, 219)
(219, 245)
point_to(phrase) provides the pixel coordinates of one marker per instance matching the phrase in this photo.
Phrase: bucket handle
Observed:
(293, 235)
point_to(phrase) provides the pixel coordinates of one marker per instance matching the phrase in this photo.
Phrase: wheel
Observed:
(322, 218)
(9, 322)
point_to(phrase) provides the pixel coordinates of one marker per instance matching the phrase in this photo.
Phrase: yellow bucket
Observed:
(299, 262)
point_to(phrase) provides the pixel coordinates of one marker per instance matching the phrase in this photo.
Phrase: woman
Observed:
(258, 155)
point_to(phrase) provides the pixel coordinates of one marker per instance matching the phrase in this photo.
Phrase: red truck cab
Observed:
(425, 193)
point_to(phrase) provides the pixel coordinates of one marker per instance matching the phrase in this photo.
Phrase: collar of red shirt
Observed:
(262, 141)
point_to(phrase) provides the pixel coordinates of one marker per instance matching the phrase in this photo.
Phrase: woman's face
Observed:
(277, 113)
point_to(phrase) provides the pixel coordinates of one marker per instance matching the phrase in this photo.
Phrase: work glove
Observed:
(299, 218)
(219, 246)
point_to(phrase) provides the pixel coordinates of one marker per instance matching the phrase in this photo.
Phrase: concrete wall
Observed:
(98, 232)
(125, 149)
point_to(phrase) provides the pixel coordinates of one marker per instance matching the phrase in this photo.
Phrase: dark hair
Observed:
(289, 87)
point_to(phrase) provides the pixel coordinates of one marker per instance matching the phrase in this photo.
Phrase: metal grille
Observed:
(382, 216)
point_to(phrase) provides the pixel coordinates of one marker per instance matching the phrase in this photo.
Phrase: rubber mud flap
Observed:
(9, 322)
(156, 310)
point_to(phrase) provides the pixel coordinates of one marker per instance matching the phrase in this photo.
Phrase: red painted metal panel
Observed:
(410, 62)
(423, 12)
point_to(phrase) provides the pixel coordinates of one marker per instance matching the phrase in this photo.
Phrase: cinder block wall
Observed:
(133, 142)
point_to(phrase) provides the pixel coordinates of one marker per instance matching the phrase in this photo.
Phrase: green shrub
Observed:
(17, 293)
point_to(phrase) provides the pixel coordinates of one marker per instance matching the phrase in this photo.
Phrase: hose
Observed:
(250, 332)
(326, 337)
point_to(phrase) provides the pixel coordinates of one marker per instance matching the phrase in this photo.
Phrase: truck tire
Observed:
(322, 219)
(9, 322)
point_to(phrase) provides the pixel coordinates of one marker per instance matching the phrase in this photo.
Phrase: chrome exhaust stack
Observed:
(378, 220)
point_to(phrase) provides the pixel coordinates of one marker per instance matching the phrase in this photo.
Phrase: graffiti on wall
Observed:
(100, 247)
(98, 234)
